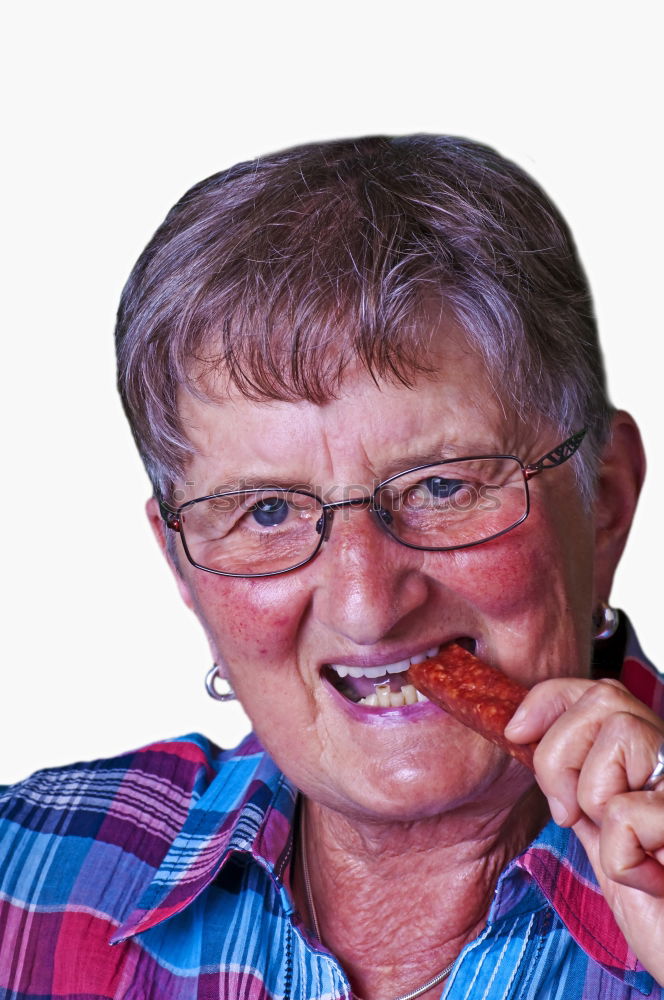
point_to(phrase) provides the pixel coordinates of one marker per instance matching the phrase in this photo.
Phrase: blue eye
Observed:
(441, 488)
(269, 513)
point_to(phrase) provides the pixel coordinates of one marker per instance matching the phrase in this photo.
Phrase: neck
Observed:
(396, 902)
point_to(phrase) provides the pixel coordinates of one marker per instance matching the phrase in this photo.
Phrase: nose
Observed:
(368, 584)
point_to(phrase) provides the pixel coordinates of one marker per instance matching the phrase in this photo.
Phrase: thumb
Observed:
(543, 704)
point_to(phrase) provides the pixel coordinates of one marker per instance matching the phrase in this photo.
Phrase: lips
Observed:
(383, 685)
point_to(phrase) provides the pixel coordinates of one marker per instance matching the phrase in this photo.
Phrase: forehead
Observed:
(369, 431)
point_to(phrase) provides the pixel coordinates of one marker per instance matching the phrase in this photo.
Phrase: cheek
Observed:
(532, 590)
(255, 626)
(250, 618)
(529, 570)
(496, 577)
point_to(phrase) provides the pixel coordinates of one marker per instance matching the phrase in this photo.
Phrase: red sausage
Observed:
(479, 696)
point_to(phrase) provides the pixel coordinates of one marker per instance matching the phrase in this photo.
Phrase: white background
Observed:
(114, 110)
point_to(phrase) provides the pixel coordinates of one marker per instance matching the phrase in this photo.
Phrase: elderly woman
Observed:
(365, 381)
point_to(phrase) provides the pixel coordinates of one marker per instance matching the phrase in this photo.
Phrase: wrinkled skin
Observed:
(379, 795)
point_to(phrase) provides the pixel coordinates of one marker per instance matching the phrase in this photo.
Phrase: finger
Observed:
(619, 760)
(631, 844)
(549, 699)
(567, 744)
(542, 705)
(637, 910)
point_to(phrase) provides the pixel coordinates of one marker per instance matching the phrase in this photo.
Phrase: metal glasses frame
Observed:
(551, 460)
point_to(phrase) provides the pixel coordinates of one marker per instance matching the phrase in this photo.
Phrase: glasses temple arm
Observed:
(557, 456)
(170, 516)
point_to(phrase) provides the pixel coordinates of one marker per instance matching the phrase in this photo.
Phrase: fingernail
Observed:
(558, 811)
(517, 721)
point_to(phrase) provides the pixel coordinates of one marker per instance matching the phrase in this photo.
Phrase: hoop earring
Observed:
(210, 678)
(605, 621)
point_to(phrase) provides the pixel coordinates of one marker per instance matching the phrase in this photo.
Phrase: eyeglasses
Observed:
(452, 504)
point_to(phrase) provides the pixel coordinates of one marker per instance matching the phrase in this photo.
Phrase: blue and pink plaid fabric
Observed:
(164, 875)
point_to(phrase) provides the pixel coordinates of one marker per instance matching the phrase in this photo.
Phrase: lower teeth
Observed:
(384, 697)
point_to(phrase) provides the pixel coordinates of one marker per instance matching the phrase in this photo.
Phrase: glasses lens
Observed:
(455, 503)
(252, 532)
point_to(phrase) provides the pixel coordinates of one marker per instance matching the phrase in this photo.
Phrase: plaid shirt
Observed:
(165, 874)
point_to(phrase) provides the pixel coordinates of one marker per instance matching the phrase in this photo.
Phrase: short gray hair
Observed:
(280, 272)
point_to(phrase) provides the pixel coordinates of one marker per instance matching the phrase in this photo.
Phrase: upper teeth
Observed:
(387, 668)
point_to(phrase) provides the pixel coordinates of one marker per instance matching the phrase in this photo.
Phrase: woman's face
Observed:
(525, 599)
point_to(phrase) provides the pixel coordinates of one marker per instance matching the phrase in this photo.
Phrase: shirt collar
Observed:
(640, 676)
(558, 866)
(248, 808)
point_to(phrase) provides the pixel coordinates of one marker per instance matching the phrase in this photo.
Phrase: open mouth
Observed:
(384, 686)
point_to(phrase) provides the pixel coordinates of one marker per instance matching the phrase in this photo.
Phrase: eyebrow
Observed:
(443, 454)
(256, 482)
(253, 481)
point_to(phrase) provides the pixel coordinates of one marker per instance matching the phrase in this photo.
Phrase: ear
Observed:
(621, 474)
(160, 532)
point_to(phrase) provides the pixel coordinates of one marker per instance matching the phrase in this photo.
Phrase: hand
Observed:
(597, 746)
